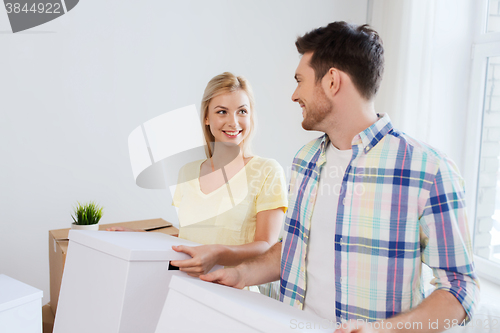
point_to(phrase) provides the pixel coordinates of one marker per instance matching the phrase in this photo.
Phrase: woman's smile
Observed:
(232, 134)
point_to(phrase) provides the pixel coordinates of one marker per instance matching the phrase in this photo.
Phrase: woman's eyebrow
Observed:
(223, 107)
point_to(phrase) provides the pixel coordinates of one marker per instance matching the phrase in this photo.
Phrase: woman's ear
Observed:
(206, 121)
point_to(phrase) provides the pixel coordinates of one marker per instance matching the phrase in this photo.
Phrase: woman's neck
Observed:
(224, 154)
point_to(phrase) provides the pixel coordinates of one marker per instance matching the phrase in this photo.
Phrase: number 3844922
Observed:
(486, 323)
(35, 8)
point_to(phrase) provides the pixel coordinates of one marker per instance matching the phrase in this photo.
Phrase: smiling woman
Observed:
(228, 95)
(228, 118)
(234, 202)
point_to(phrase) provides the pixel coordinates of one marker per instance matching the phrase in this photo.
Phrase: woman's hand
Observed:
(204, 258)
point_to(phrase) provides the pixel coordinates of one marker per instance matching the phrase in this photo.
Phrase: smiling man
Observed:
(368, 205)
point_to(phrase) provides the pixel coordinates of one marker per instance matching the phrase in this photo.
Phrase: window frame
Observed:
(485, 45)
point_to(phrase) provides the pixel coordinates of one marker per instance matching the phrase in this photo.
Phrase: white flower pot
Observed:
(84, 227)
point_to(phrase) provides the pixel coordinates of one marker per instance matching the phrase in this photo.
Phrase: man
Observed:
(357, 252)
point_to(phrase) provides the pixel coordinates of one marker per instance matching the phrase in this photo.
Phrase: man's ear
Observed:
(332, 82)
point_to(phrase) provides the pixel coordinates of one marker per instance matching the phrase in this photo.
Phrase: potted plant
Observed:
(86, 216)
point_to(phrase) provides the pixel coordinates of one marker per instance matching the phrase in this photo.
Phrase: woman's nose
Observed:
(233, 120)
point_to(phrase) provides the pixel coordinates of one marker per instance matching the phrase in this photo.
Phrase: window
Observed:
(487, 231)
(483, 142)
(493, 16)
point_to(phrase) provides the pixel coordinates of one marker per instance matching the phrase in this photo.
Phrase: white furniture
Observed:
(20, 307)
(193, 305)
(115, 282)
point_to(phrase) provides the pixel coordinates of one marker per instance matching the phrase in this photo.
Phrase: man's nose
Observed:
(295, 95)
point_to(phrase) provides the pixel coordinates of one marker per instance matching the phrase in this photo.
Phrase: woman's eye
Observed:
(243, 111)
(221, 112)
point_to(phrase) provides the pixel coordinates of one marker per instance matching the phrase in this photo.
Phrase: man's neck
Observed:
(351, 122)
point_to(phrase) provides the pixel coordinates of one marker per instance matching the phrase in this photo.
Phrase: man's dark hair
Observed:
(355, 50)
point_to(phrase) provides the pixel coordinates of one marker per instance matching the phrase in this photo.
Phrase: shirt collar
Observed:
(367, 139)
(373, 134)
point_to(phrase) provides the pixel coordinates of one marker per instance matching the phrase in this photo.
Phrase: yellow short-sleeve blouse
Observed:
(228, 214)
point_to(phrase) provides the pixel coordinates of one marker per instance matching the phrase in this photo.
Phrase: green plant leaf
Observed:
(86, 214)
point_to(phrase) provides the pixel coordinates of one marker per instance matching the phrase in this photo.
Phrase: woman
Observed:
(234, 202)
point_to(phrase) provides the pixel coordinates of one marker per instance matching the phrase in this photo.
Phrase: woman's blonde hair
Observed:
(222, 84)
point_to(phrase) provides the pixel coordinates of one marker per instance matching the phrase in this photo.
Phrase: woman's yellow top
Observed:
(228, 214)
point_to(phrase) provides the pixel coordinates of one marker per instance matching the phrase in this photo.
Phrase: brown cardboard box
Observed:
(48, 318)
(58, 246)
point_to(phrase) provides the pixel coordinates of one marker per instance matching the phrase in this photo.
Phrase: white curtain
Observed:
(427, 52)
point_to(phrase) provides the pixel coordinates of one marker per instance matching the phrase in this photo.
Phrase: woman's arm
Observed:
(205, 257)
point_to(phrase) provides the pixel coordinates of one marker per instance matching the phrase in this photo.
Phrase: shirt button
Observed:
(341, 242)
(343, 201)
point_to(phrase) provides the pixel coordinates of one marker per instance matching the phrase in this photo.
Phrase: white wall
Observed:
(73, 89)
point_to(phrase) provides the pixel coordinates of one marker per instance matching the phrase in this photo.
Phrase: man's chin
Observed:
(307, 125)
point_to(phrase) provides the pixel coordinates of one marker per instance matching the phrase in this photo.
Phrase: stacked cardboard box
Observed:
(58, 246)
(48, 318)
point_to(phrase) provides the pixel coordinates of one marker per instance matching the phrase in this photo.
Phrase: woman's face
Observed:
(229, 117)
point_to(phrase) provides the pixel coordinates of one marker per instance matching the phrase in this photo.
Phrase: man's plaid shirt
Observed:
(401, 204)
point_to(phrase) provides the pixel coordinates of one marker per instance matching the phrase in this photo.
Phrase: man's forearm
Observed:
(438, 312)
(263, 268)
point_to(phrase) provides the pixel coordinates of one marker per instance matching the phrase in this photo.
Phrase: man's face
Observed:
(310, 96)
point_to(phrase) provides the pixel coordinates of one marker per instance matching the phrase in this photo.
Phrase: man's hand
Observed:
(261, 269)
(353, 326)
(439, 307)
(231, 277)
(204, 258)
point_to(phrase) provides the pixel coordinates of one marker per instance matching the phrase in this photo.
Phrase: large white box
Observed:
(20, 307)
(115, 282)
(193, 305)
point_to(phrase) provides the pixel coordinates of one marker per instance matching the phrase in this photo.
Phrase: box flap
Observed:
(14, 293)
(146, 225)
(59, 234)
(132, 246)
(253, 309)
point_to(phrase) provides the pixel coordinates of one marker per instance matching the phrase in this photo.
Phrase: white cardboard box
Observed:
(58, 247)
(20, 307)
(115, 282)
(193, 305)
